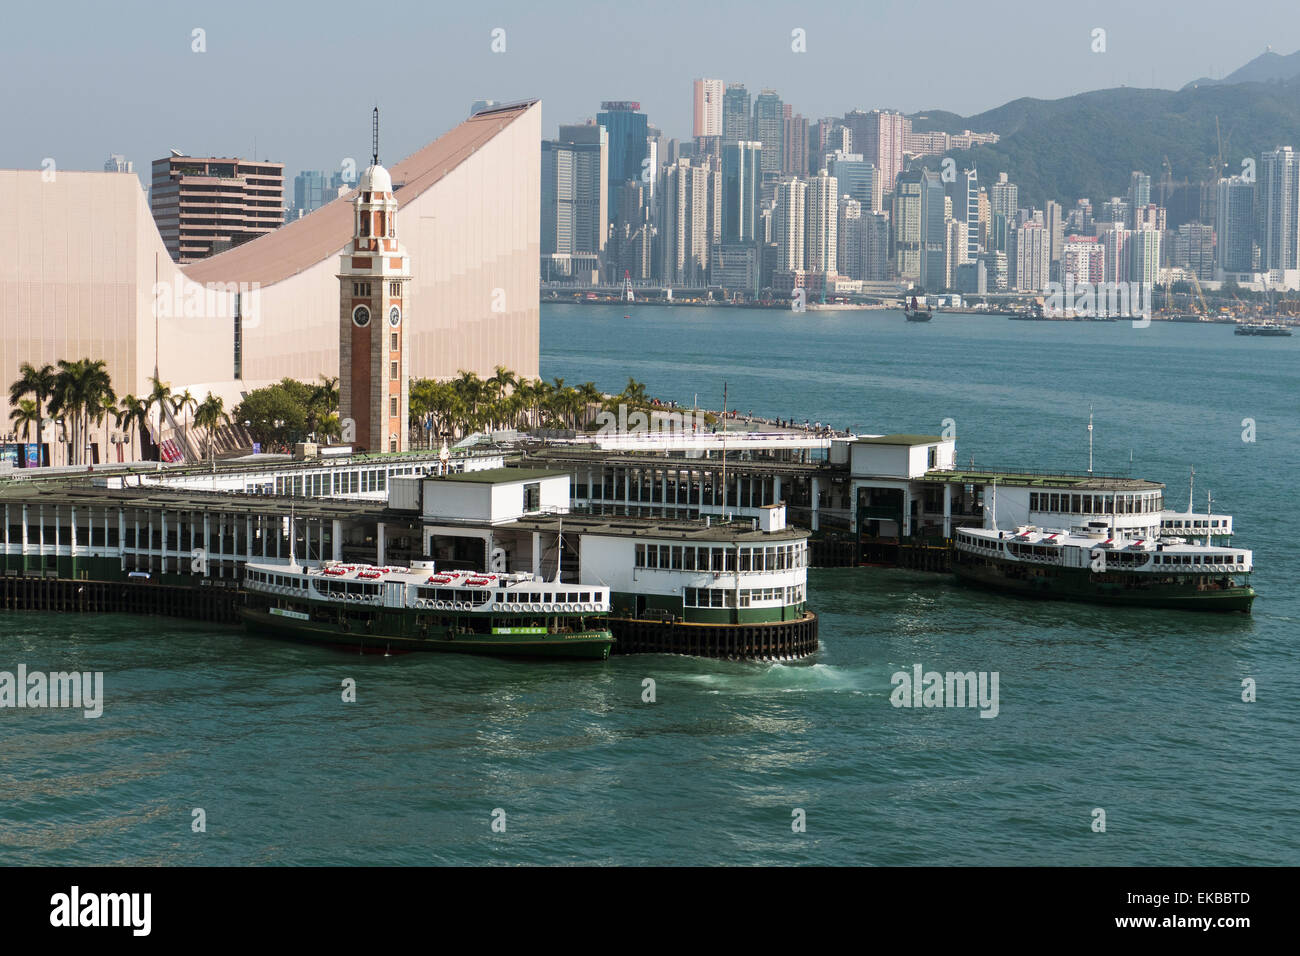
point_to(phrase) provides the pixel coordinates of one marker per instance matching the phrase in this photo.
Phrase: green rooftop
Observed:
(902, 440)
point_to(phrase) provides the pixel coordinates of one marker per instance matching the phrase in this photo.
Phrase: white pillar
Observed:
(814, 493)
(338, 539)
(947, 509)
(379, 543)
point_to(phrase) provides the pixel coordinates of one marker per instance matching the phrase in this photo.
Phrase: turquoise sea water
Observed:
(1135, 712)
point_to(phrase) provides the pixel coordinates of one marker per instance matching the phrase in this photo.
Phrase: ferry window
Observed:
(1033, 501)
(677, 557)
(744, 559)
(688, 559)
(640, 556)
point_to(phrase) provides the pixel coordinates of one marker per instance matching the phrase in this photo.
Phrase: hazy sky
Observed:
(82, 80)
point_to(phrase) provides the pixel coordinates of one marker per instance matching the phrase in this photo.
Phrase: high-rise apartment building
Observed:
(769, 129)
(1279, 209)
(1083, 259)
(708, 108)
(1004, 200)
(1119, 254)
(876, 266)
(690, 222)
(880, 136)
(1144, 256)
(822, 211)
(788, 224)
(205, 204)
(1033, 257)
(849, 238)
(907, 227)
(117, 163)
(1234, 225)
(1139, 190)
(1194, 249)
(795, 162)
(1055, 228)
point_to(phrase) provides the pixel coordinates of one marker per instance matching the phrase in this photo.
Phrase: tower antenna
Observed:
(374, 136)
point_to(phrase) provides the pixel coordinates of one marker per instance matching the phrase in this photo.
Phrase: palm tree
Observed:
(80, 390)
(39, 383)
(590, 396)
(25, 414)
(133, 413)
(160, 398)
(211, 415)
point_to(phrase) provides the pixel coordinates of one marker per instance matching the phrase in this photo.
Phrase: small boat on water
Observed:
(393, 610)
(917, 313)
(1261, 328)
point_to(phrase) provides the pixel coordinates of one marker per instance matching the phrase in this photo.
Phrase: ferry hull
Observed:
(588, 645)
(1082, 585)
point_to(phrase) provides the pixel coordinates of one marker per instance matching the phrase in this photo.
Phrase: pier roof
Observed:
(734, 532)
(1034, 479)
(79, 494)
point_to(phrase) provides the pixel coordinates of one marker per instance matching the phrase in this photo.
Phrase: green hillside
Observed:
(1087, 145)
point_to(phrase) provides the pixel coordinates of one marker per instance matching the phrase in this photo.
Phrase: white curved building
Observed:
(79, 260)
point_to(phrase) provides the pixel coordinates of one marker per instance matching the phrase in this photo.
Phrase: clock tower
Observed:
(374, 299)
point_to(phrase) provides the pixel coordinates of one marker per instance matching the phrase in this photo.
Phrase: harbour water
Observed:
(1137, 713)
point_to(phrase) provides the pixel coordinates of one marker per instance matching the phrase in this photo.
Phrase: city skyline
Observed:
(215, 106)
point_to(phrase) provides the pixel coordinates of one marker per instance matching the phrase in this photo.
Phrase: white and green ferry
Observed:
(417, 608)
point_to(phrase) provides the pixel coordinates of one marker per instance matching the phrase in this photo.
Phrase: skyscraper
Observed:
(907, 226)
(741, 175)
(769, 129)
(1055, 228)
(820, 242)
(857, 177)
(795, 161)
(1194, 249)
(1234, 225)
(849, 238)
(880, 136)
(627, 130)
(933, 273)
(688, 222)
(117, 163)
(1004, 200)
(971, 215)
(1144, 256)
(876, 266)
(736, 121)
(788, 223)
(1139, 190)
(310, 192)
(1033, 257)
(1279, 209)
(575, 191)
(1119, 254)
(708, 108)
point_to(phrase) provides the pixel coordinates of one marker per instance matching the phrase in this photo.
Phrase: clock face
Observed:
(394, 316)
(361, 316)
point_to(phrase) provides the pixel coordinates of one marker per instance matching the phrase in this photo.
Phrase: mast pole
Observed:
(724, 448)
